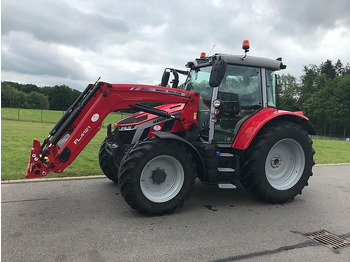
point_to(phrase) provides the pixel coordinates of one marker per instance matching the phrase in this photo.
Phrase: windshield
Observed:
(198, 81)
(240, 82)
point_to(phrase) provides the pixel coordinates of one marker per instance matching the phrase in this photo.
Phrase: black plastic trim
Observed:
(64, 156)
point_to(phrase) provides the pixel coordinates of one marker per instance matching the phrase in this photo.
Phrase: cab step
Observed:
(226, 155)
(226, 170)
(226, 186)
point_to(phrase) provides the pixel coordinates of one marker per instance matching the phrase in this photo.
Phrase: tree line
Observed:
(323, 94)
(31, 96)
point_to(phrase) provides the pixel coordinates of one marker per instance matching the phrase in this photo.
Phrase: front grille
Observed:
(328, 239)
(126, 136)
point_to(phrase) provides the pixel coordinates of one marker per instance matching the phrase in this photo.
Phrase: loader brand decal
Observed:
(160, 90)
(157, 127)
(95, 117)
(135, 88)
(77, 140)
(163, 118)
(158, 120)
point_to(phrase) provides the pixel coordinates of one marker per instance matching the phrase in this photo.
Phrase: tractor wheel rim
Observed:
(285, 164)
(162, 179)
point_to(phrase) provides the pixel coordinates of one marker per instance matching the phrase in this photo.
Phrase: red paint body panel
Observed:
(252, 126)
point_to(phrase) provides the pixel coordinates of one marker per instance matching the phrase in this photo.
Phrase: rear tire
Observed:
(278, 163)
(157, 176)
(107, 163)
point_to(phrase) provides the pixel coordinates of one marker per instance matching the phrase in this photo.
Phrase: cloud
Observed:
(22, 53)
(133, 41)
(60, 23)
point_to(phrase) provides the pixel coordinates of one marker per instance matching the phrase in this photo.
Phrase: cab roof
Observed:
(239, 60)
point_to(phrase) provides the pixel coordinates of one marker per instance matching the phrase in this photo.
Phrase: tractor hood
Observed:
(143, 117)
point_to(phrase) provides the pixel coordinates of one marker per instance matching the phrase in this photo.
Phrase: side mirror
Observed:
(165, 78)
(217, 72)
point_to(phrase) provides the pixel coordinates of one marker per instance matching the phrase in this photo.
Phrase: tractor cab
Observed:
(243, 86)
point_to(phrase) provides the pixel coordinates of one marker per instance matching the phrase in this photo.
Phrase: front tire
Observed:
(157, 176)
(278, 163)
(107, 163)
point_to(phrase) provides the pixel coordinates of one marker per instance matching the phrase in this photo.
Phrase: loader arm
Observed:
(84, 119)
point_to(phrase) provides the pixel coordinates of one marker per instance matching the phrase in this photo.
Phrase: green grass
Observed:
(33, 115)
(16, 142)
(17, 138)
(47, 116)
(331, 151)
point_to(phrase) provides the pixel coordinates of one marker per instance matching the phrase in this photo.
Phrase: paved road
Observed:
(88, 220)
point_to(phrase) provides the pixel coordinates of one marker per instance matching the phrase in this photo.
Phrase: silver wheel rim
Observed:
(285, 164)
(162, 179)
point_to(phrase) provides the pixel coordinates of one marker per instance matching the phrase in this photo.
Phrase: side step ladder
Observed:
(225, 173)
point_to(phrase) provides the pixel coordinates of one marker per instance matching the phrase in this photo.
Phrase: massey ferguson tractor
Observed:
(222, 127)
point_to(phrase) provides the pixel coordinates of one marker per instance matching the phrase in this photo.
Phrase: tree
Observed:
(20, 95)
(311, 82)
(288, 92)
(61, 97)
(341, 102)
(11, 97)
(8, 95)
(37, 101)
(22, 100)
(339, 68)
(346, 70)
(328, 69)
(27, 88)
(329, 108)
(319, 108)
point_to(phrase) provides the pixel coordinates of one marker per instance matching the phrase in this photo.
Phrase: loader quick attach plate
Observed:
(35, 167)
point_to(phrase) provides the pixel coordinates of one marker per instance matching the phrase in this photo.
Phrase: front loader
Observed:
(222, 127)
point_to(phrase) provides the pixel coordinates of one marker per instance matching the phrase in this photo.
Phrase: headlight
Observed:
(216, 103)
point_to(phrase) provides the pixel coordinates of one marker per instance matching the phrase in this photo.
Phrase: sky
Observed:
(73, 42)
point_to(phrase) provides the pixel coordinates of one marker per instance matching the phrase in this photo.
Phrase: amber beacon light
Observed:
(246, 45)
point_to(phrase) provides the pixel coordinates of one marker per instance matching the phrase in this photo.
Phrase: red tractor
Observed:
(222, 127)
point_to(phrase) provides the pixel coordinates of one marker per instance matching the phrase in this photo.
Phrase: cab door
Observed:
(240, 96)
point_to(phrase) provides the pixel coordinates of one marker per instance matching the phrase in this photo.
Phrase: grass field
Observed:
(47, 116)
(17, 138)
(16, 142)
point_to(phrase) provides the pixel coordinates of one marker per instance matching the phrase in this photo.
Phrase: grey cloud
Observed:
(22, 53)
(309, 19)
(57, 22)
(130, 41)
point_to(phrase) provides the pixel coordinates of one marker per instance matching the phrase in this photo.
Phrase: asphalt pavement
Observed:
(88, 220)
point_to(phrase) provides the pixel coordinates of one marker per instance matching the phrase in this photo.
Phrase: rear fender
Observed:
(264, 117)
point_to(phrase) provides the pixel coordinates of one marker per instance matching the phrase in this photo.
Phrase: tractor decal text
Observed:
(77, 140)
(165, 91)
(163, 118)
